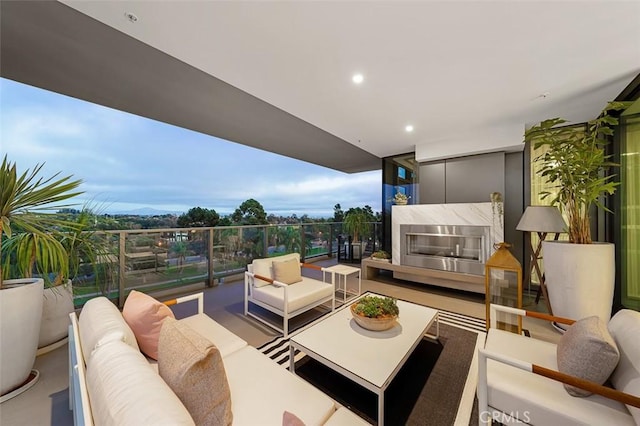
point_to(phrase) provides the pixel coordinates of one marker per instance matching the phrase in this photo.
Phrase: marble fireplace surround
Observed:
(477, 214)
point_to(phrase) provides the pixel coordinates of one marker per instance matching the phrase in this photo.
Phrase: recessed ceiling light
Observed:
(357, 78)
(408, 128)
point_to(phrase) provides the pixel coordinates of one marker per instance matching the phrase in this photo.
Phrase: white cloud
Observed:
(125, 160)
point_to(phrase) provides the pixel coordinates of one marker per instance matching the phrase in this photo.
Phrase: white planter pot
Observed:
(580, 278)
(56, 307)
(20, 315)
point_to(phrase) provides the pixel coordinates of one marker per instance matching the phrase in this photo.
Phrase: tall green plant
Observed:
(576, 163)
(357, 222)
(25, 201)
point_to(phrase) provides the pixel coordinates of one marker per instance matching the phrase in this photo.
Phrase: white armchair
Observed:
(264, 287)
(518, 381)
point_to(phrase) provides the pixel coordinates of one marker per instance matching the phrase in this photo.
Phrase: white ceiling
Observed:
(452, 69)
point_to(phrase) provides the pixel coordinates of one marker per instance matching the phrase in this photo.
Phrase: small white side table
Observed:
(343, 272)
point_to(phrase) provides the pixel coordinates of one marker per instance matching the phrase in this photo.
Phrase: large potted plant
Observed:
(32, 258)
(580, 274)
(357, 222)
(25, 200)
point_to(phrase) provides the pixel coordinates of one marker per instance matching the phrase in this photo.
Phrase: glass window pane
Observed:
(630, 211)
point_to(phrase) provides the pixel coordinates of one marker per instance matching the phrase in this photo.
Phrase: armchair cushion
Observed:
(305, 293)
(287, 271)
(587, 350)
(512, 390)
(626, 377)
(264, 267)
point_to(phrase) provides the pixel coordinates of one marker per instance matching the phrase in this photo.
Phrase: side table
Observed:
(343, 272)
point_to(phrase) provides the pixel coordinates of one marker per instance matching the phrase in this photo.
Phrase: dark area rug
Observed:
(426, 391)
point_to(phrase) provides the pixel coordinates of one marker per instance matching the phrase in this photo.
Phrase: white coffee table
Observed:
(343, 272)
(370, 358)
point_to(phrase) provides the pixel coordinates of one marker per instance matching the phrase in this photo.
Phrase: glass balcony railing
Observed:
(152, 260)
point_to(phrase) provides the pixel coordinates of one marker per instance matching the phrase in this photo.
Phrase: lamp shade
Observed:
(542, 219)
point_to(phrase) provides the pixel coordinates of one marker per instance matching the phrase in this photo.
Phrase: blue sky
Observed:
(129, 162)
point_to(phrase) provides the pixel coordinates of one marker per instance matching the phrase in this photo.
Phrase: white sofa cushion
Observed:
(302, 294)
(625, 329)
(264, 267)
(124, 390)
(225, 341)
(537, 399)
(261, 391)
(100, 322)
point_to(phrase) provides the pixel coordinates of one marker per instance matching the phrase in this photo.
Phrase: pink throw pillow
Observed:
(145, 315)
(290, 419)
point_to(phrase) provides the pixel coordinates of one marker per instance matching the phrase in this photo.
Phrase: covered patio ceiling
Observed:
(468, 76)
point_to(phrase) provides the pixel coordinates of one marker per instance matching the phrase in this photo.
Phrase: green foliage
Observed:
(338, 214)
(577, 166)
(374, 307)
(289, 237)
(357, 221)
(85, 252)
(198, 216)
(381, 254)
(250, 212)
(24, 202)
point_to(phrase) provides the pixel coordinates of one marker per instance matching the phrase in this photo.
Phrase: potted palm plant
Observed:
(25, 200)
(580, 274)
(357, 221)
(32, 257)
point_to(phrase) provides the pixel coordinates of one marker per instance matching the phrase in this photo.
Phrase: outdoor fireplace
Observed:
(454, 248)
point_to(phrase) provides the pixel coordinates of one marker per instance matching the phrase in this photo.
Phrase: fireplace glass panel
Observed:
(445, 245)
(455, 248)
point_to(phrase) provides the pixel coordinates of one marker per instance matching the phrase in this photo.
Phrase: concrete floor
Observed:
(47, 403)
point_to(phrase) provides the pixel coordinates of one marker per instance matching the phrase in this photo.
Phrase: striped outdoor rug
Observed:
(278, 348)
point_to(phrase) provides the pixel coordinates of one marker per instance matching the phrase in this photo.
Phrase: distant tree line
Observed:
(250, 212)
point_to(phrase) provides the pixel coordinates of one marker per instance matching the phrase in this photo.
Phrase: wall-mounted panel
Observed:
(514, 205)
(432, 183)
(473, 179)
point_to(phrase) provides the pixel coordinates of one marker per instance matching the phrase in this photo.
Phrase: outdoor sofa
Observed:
(113, 383)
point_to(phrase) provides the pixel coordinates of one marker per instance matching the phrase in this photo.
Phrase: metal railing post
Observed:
(121, 268)
(331, 240)
(210, 271)
(303, 244)
(265, 242)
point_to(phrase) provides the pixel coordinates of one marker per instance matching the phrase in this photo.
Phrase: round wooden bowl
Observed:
(373, 324)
